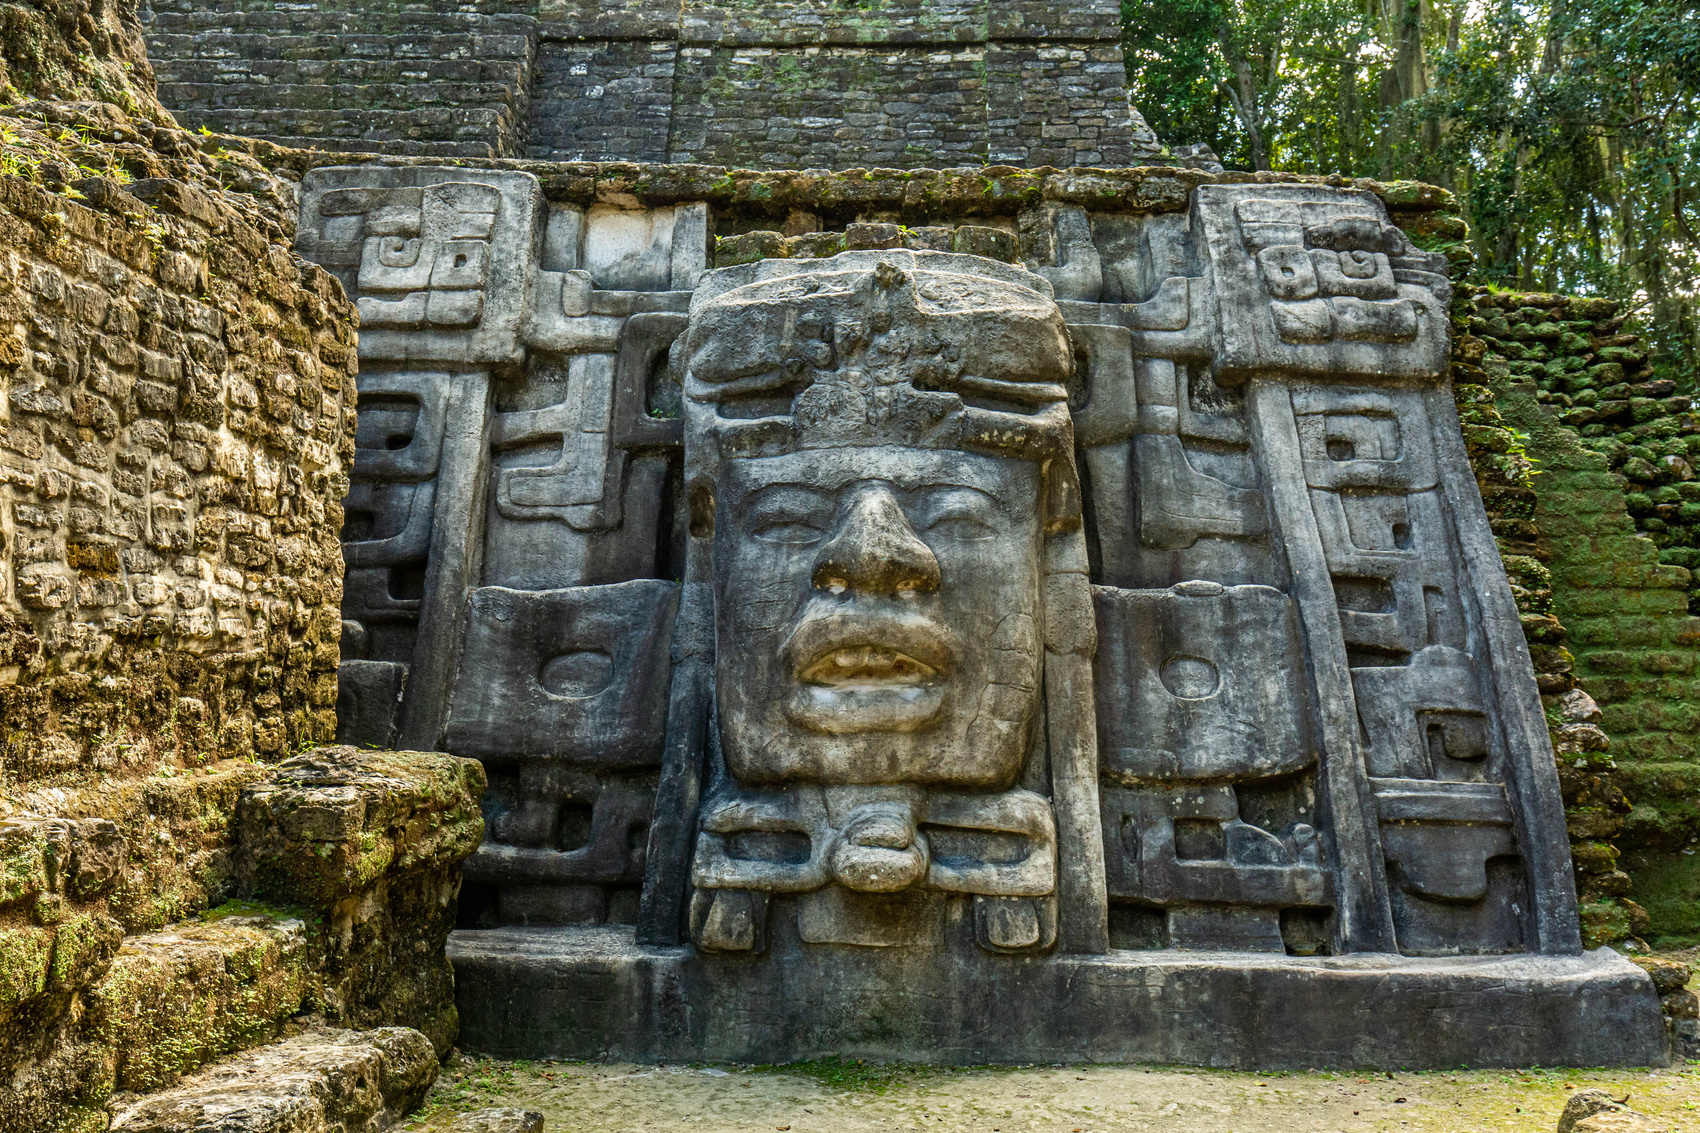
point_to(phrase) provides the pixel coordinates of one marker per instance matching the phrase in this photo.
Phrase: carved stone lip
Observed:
(865, 666)
(869, 671)
(869, 646)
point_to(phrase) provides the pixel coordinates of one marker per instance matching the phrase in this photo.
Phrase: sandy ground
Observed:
(849, 1097)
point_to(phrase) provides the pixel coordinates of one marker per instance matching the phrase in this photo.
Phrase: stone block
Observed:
(179, 998)
(504, 1120)
(1596, 1111)
(374, 841)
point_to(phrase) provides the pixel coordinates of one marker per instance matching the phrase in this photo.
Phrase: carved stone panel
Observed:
(441, 259)
(1315, 281)
(1201, 691)
(388, 518)
(577, 674)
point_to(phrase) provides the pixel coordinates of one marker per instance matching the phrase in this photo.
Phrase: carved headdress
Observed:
(919, 349)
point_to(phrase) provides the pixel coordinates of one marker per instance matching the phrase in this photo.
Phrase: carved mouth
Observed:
(866, 667)
(869, 671)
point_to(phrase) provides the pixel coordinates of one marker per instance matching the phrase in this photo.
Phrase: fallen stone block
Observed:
(505, 1119)
(1596, 1111)
(322, 1081)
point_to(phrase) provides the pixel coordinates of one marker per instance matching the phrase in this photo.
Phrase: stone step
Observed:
(357, 24)
(315, 1082)
(258, 47)
(378, 9)
(147, 1010)
(307, 97)
(593, 992)
(278, 42)
(187, 995)
(329, 127)
(480, 144)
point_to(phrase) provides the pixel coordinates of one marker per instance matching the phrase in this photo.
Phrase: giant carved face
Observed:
(879, 436)
(878, 616)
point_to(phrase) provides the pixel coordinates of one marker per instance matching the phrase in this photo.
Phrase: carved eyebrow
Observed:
(945, 493)
(780, 495)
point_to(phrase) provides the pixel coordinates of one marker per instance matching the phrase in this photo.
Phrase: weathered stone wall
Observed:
(798, 85)
(361, 77)
(177, 419)
(73, 50)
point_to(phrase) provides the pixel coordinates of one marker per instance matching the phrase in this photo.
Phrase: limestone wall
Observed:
(176, 418)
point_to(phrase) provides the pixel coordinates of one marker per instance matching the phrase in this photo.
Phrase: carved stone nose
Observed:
(880, 850)
(875, 550)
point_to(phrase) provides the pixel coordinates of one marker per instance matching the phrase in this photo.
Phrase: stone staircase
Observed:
(319, 890)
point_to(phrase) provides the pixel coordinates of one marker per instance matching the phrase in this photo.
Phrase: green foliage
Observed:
(1570, 129)
(1265, 83)
(856, 1073)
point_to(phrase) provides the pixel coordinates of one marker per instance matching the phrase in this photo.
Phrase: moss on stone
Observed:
(83, 944)
(26, 955)
(175, 1000)
(1668, 887)
(1599, 567)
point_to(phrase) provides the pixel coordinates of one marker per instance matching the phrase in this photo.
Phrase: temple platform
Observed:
(592, 992)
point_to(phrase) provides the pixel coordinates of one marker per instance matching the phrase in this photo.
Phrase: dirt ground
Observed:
(836, 1096)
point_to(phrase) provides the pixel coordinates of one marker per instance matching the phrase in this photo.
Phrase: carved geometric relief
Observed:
(1221, 881)
(440, 258)
(1369, 463)
(578, 485)
(563, 844)
(1452, 855)
(1200, 682)
(1424, 720)
(389, 511)
(1309, 280)
(870, 864)
(1173, 484)
(1201, 691)
(1364, 439)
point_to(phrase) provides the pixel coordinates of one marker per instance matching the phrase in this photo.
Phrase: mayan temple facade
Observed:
(1022, 632)
(917, 568)
(986, 626)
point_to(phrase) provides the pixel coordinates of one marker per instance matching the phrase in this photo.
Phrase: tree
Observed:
(1570, 131)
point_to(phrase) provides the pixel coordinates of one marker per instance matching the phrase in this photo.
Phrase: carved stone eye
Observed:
(579, 674)
(787, 531)
(960, 527)
(1190, 678)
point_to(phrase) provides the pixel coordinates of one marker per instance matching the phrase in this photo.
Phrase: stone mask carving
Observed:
(877, 613)
(878, 443)
(878, 588)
